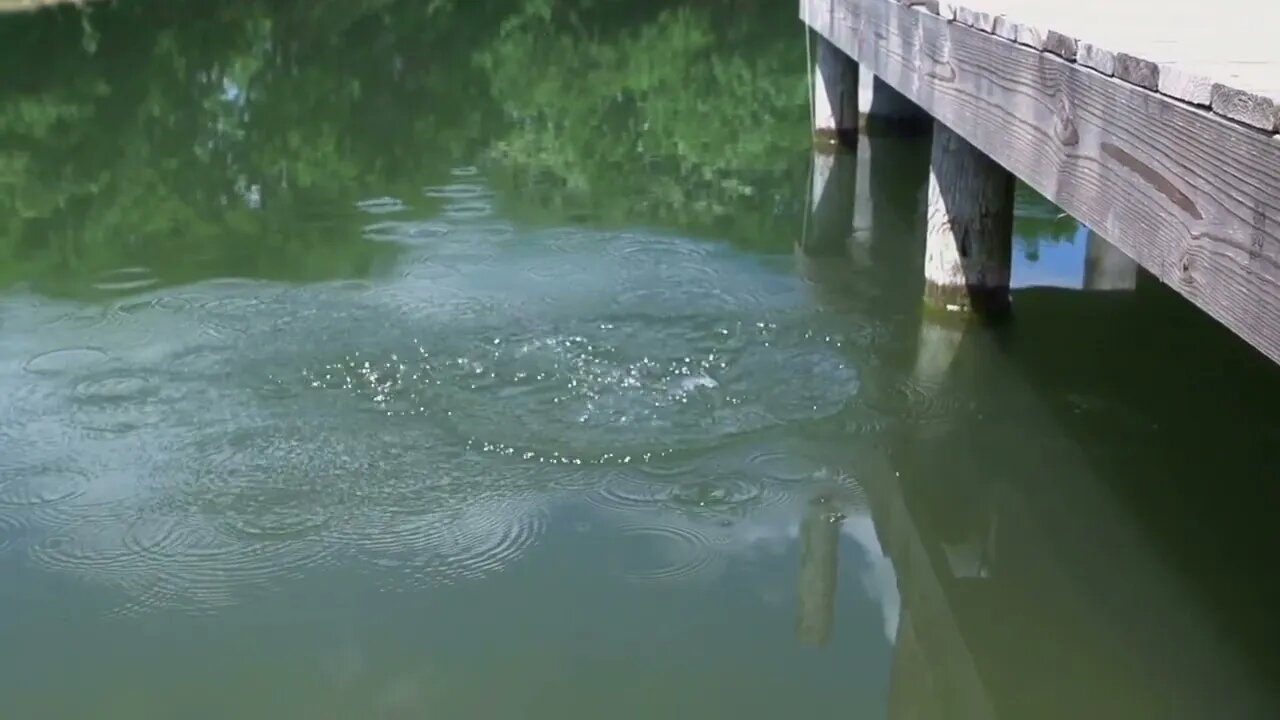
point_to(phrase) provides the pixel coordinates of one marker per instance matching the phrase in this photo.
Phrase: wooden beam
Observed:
(1191, 196)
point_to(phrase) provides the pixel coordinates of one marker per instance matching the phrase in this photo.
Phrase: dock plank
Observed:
(1192, 196)
(1235, 46)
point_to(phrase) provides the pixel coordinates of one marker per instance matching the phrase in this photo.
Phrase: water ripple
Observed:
(66, 361)
(36, 491)
(669, 553)
(381, 205)
(459, 191)
(408, 231)
(11, 529)
(783, 466)
(723, 499)
(444, 547)
(126, 280)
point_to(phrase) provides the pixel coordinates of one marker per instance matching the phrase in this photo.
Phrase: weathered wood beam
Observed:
(1191, 196)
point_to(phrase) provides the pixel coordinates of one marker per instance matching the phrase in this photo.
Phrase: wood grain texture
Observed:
(1140, 72)
(1090, 55)
(1181, 83)
(1231, 44)
(1250, 109)
(1191, 196)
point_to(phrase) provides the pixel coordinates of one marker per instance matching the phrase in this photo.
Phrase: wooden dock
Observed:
(1152, 122)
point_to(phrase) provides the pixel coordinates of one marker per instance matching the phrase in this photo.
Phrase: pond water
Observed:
(439, 359)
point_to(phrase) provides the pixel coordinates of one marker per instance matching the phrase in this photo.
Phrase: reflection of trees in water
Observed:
(694, 116)
(235, 138)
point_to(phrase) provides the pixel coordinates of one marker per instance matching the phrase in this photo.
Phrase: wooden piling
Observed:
(835, 95)
(969, 234)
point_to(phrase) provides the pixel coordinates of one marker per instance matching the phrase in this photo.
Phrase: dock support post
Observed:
(969, 235)
(1106, 267)
(835, 95)
(885, 111)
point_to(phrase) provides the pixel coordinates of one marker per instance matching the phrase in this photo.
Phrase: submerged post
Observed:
(835, 95)
(969, 235)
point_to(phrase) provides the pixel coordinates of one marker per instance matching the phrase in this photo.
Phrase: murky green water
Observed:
(439, 359)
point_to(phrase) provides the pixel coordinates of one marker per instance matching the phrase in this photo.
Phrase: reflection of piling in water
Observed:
(936, 347)
(934, 673)
(830, 219)
(863, 214)
(819, 560)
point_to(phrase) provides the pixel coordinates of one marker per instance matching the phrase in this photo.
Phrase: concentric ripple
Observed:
(417, 426)
(91, 552)
(445, 547)
(784, 466)
(38, 492)
(208, 567)
(718, 499)
(654, 553)
(127, 280)
(381, 205)
(11, 529)
(122, 401)
(66, 361)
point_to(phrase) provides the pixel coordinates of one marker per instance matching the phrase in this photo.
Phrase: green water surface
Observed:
(463, 359)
